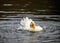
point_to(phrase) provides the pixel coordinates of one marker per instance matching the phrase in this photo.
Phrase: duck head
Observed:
(32, 25)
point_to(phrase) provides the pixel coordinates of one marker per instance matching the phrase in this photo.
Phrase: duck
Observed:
(29, 25)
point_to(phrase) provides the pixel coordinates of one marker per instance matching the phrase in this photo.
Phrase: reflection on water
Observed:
(9, 23)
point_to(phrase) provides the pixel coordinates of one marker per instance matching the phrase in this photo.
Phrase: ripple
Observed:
(50, 34)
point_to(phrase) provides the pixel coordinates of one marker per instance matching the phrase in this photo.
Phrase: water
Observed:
(10, 22)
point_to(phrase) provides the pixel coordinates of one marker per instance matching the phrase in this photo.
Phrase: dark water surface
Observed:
(9, 24)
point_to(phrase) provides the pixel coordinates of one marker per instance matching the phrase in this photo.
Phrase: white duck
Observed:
(29, 24)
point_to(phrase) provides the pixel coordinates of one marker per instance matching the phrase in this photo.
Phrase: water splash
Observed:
(29, 24)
